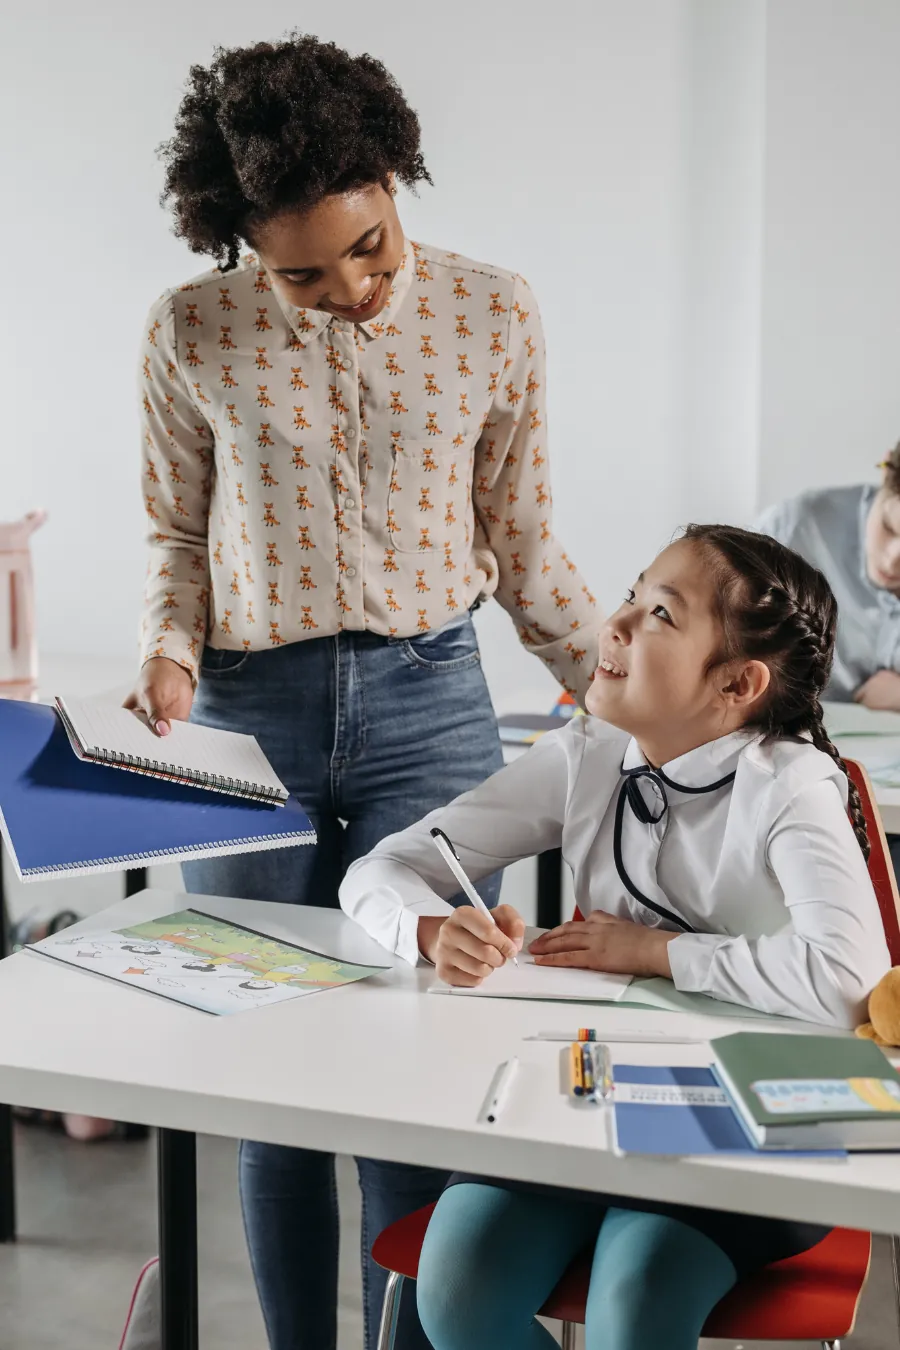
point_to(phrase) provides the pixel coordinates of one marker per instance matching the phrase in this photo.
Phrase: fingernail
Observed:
(162, 728)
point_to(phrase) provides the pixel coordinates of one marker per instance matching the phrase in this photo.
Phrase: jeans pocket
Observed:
(218, 662)
(453, 647)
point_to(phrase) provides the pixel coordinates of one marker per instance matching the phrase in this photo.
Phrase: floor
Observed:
(87, 1224)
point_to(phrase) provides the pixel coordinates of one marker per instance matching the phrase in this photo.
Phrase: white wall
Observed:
(830, 397)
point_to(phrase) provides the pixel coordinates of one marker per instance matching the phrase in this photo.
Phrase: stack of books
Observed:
(767, 1093)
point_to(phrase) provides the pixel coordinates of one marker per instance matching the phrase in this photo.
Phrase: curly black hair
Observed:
(281, 125)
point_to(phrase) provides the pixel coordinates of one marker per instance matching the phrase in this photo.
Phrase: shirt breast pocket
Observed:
(430, 493)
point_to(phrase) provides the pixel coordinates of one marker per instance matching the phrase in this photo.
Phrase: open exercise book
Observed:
(208, 963)
(223, 761)
(528, 980)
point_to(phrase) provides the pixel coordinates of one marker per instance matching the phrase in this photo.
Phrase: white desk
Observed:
(872, 751)
(76, 1042)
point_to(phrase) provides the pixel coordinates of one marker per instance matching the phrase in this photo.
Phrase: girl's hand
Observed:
(602, 942)
(164, 692)
(465, 947)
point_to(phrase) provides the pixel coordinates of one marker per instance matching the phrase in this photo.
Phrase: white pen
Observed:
(497, 1099)
(451, 858)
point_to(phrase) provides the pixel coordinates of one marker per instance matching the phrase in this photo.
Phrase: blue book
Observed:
(679, 1112)
(62, 816)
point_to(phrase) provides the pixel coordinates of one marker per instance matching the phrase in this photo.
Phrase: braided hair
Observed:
(777, 608)
(279, 126)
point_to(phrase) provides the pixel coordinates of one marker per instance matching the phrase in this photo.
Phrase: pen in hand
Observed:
(451, 858)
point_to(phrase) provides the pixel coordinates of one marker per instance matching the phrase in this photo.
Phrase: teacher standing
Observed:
(344, 453)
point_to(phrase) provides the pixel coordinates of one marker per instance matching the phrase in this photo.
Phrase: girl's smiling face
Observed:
(658, 676)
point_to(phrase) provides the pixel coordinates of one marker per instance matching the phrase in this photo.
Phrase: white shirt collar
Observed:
(703, 765)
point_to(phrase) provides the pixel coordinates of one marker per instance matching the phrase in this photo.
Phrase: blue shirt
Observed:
(828, 528)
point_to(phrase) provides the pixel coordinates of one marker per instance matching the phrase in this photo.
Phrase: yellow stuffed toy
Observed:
(884, 1011)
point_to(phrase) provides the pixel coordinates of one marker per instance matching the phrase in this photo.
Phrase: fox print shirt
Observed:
(304, 474)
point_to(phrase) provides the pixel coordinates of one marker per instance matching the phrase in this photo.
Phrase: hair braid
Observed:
(822, 741)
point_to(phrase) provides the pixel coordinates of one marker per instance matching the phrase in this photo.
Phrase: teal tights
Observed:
(491, 1257)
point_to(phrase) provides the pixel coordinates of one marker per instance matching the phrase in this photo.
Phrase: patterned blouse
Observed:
(304, 474)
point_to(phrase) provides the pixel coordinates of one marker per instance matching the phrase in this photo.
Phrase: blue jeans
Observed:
(369, 733)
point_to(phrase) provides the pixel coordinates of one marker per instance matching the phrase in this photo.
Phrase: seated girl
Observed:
(703, 811)
(853, 535)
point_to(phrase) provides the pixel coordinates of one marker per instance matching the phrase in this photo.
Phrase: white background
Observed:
(703, 193)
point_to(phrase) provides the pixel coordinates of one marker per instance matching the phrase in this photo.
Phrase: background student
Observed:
(345, 451)
(706, 733)
(853, 535)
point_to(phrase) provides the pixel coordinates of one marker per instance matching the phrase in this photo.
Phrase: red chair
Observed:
(810, 1297)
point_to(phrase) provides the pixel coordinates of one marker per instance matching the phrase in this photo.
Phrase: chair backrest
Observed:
(881, 869)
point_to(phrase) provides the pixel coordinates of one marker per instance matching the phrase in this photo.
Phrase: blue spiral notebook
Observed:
(60, 815)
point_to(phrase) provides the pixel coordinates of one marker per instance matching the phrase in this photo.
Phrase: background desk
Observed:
(74, 1041)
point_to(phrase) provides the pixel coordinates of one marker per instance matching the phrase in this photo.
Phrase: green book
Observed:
(810, 1092)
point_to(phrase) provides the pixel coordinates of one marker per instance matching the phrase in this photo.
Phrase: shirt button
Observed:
(349, 504)
(351, 571)
(350, 433)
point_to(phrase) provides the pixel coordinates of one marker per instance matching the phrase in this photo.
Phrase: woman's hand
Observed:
(164, 692)
(465, 947)
(602, 942)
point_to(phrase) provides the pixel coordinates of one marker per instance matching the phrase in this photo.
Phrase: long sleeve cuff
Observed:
(570, 659)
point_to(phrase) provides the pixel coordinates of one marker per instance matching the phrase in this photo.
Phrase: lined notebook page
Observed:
(103, 726)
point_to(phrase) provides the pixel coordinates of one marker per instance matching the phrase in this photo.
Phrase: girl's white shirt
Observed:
(765, 871)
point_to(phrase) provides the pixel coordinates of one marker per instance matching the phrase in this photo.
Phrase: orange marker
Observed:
(576, 1069)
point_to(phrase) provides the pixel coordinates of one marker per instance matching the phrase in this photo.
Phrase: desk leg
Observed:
(7, 1161)
(135, 880)
(549, 888)
(177, 1198)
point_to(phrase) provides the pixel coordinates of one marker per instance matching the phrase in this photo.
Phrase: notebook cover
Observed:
(705, 1123)
(749, 1058)
(59, 814)
(676, 1130)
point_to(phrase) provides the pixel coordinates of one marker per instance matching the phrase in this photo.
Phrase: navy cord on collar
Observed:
(630, 791)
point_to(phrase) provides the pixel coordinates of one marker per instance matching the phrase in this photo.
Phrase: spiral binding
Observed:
(155, 768)
(139, 859)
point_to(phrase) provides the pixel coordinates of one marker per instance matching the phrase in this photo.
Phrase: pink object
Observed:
(18, 638)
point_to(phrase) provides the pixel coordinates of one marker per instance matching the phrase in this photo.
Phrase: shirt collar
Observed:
(703, 765)
(308, 324)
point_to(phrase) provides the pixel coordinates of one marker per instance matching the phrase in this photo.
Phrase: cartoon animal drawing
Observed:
(262, 321)
(495, 306)
(262, 359)
(225, 341)
(426, 348)
(462, 328)
(265, 474)
(300, 421)
(297, 380)
(306, 619)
